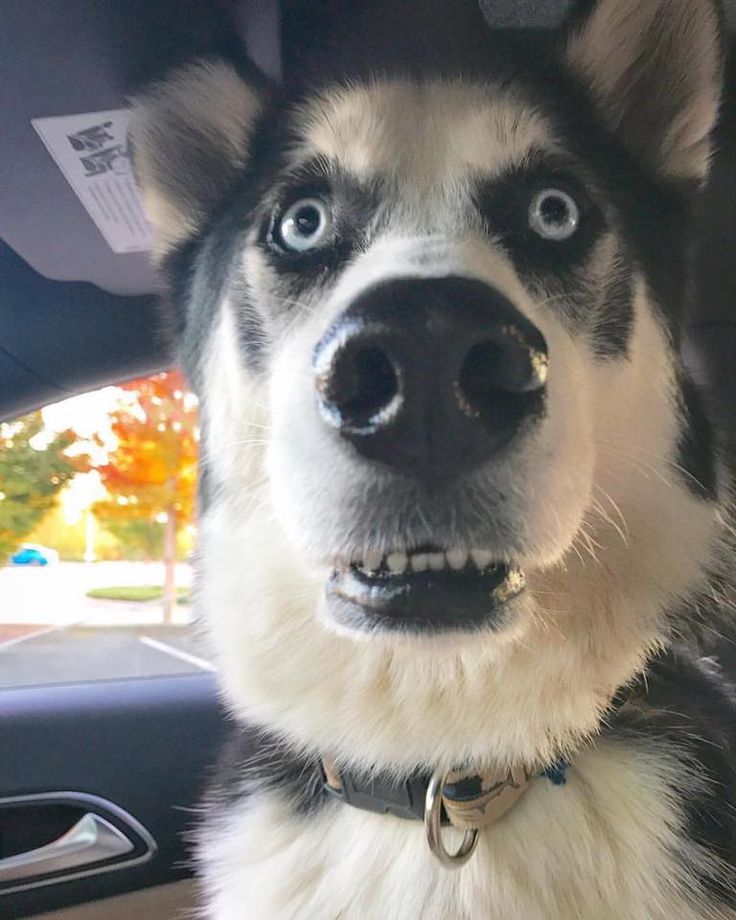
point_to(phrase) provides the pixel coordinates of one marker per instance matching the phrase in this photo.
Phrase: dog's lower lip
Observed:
(446, 600)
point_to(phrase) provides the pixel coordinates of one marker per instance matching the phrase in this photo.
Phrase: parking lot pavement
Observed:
(86, 653)
(50, 632)
(16, 632)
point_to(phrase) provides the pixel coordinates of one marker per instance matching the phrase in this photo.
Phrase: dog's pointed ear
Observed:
(189, 136)
(654, 68)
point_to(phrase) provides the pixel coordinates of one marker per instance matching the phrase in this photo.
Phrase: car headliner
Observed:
(73, 314)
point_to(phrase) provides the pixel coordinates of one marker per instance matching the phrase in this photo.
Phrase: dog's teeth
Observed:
(481, 557)
(397, 562)
(457, 558)
(420, 562)
(372, 560)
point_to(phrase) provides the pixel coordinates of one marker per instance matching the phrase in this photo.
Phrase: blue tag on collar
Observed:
(557, 773)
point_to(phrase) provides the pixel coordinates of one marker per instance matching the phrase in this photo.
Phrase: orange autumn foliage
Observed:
(152, 472)
(153, 469)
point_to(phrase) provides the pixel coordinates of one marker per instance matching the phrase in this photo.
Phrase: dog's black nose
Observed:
(431, 376)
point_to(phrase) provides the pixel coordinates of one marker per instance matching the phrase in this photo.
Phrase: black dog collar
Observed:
(469, 799)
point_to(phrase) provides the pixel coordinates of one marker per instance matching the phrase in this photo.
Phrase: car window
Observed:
(97, 497)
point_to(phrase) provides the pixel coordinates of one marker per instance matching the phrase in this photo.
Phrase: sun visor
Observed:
(66, 70)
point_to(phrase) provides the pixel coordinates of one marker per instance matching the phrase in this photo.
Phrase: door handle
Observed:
(91, 840)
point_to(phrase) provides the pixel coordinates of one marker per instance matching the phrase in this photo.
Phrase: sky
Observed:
(86, 414)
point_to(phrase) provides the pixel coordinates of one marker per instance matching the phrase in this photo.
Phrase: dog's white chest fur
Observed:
(602, 847)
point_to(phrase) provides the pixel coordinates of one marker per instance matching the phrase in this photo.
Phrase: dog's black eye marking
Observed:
(542, 212)
(316, 220)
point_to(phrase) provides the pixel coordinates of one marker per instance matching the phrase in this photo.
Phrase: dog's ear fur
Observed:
(189, 137)
(654, 68)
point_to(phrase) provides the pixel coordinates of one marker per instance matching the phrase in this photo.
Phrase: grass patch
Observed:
(136, 593)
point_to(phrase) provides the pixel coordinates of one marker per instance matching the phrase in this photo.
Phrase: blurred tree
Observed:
(140, 538)
(151, 474)
(69, 538)
(34, 468)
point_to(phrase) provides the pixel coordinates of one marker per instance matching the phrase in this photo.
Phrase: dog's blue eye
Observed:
(305, 224)
(554, 215)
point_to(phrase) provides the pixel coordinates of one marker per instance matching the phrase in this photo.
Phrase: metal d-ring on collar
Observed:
(466, 799)
(433, 827)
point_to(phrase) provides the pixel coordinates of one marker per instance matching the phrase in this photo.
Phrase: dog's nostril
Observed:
(505, 363)
(430, 377)
(362, 384)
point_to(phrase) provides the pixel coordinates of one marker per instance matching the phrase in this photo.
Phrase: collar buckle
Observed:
(376, 793)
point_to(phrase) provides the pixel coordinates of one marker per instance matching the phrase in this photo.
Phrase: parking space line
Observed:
(9, 643)
(176, 653)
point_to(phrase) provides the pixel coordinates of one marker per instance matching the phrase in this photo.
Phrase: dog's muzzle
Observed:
(430, 379)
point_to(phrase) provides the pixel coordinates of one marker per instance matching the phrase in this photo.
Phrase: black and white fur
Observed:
(615, 505)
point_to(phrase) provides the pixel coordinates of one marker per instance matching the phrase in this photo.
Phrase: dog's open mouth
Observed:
(429, 589)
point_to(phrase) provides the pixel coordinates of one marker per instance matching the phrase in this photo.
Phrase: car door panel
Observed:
(132, 755)
(163, 903)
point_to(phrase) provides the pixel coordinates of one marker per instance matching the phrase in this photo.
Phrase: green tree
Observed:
(34, 468)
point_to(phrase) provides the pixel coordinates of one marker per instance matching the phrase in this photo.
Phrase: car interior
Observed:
(129, 759)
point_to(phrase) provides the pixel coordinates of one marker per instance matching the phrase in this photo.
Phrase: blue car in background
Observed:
(31, 554)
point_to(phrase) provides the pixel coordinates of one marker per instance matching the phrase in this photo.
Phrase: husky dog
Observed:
(461, 504)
